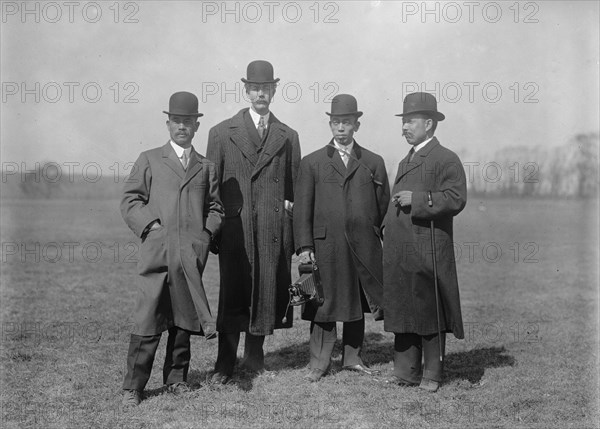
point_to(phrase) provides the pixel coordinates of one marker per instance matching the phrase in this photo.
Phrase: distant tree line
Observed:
(570, 170)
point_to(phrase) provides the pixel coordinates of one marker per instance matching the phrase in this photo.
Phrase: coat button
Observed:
(276, 209)
(276, 180)
(275, 239)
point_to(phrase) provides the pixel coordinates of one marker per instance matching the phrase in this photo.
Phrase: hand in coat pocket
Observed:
(153, 252)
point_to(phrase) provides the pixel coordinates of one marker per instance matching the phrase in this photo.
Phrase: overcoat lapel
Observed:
(336, 159)
(170, 159)
(239, 137)
(406, 167)
(353, 163)
(276, 139)
(194, 166)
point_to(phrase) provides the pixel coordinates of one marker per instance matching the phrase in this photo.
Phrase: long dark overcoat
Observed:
(172, 258)
(409, 293)
(338, 212)
(256, 243)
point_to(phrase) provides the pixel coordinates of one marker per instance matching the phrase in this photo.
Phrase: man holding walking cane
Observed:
(420, 286)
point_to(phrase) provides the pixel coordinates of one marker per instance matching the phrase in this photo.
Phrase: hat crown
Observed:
(344, 104)
(421, 102)
(183, 104)
(260, 71)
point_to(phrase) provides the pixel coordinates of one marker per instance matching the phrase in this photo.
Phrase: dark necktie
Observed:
(411, 154)
(261, 127)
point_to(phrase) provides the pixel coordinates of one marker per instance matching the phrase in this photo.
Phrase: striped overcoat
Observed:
(256, 242)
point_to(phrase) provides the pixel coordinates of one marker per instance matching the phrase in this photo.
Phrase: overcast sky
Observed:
(545, 65)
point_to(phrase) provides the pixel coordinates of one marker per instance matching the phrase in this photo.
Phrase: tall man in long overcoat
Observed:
(257, 158)
(430, 185)
(341, 197)
(171, 201)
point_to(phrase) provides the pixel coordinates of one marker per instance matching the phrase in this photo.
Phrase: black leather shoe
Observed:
(399, 381)
(362, 368)
(314, 375)
(131, 399)
(219, 378)
(429, 385)
(179, 388)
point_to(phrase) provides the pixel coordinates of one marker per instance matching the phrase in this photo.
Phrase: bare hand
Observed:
(403, 198)
(307, 256)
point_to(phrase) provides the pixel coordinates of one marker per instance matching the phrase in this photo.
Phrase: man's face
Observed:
(343, 128)
(261, 95)
(182, 129)
(415, 127)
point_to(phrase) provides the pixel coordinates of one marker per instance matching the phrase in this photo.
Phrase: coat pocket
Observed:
(319, 232)
(153, 252)
(201, 248)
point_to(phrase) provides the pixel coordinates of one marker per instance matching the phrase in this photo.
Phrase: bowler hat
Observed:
(421, 102)
(344, 104)
(259, 71)
(183, 104)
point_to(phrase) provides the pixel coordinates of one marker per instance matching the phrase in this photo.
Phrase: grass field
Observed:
(529, 287)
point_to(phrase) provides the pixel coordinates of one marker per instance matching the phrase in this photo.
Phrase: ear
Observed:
(428, 124)
(197, 125)
(356, 126)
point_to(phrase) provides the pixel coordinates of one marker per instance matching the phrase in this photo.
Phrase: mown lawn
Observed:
(529, 286)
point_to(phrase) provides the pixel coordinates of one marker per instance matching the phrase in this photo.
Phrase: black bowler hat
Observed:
(259, 71)
(183, 104)
(421, 102)
(344, 104)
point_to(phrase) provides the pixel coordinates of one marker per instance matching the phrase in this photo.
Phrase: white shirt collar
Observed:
(256, 118)
(422, 145)
(342, 148)
(179, 150)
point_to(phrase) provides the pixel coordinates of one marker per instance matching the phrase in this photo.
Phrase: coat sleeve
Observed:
(383, 188)
(213, 153)
(293, 166)
(448, 196)
(212, 202)
(304, 207)
(134, 208)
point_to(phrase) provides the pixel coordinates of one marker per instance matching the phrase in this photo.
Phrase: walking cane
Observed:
(435, 280)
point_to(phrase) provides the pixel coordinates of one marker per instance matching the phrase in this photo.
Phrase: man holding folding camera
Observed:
(341, 196)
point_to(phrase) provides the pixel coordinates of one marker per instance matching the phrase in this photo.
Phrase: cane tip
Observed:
(284, 320)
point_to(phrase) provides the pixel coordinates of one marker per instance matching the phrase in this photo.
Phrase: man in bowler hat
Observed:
(171, 201)
(257, 157)
(430, 186)
(342, 193)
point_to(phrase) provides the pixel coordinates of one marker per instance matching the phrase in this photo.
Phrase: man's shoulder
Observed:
(369, 155)
(229, 122)
(285, 127)
(320, 153)
(443, 152)
(154, 152)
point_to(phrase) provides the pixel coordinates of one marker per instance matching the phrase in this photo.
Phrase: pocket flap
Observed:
(319, 232)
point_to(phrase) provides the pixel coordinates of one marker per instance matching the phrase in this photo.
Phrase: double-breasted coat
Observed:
(409, 292)
(256, 242)
(338, 213)
(172, 258)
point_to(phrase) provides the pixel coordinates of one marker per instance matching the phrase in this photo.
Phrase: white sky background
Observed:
(374, 52)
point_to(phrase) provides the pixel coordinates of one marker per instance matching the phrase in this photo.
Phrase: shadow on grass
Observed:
(472, 364)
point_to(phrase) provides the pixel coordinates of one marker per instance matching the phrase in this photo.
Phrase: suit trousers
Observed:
(140, 358)
(254, 357)
(417, 356)
(322, 339)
